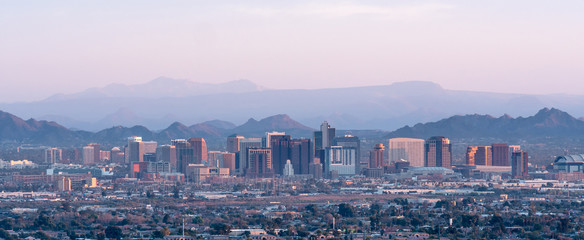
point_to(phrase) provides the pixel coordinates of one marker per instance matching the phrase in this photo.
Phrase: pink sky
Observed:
(520, 46)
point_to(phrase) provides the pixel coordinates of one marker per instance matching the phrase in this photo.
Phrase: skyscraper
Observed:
(340, 160)
(53, 155)
(350, 141)
(229, 162)
(323, 139)
(298, 151)
(150, 146)
(184, 154)
(167, 153)
(408, 149)
(96, 152)
(135, 149)
(280, 145)
(233, 143)
(483, 156)
(500, 154)
(244, 144)
(471, 152)
(260, 162)
(438, 152)
(376, 156)
(519, 163)
(199, 150)
(267, 139)
(301, 155)
(88, 155)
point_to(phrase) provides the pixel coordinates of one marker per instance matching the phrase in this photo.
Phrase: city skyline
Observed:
(502, 46)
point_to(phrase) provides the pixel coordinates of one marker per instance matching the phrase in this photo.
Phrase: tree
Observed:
(42, 235)
(5, 235)
(113, 232)
(220, 229)
(346, 210)
(198, 220)
(166, 219)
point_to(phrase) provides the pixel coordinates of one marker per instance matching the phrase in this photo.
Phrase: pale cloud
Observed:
(348, 9)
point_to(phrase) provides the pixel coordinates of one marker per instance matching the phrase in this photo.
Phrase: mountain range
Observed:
(547, 123)
(16, 131)
(163, 101)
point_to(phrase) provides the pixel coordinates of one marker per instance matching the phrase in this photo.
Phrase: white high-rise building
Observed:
(408, 149)
(288, 168)
(341, 159)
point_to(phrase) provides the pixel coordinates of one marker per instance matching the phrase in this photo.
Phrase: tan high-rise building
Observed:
(199, 150)
(376, 156)
(233, 143)
(471, 152)
(229, 162)
(438, 152)
(408, 149)
(135, 149)
(88, 155)
(260, 162)
(484, 156)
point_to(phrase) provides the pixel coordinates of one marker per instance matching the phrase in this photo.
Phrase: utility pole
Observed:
(183, 227)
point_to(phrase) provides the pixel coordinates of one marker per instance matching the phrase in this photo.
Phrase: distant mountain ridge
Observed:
(16, 131)
(546, 123)
(161, 87)
(159, 103)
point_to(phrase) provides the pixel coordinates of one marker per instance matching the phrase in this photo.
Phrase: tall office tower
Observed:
(266, 141)
(88, 155)
(135, 149)
(150, 146)
(199, 150)
(184, 154)
(149, 157)
(438, 152)
(323, 139)
(53, 155)
(301, 155)
(471, 152)
(354, 142)
(408, 149)
(260, 162)
(512, 149)
(214, 158)
(340, 160)
(105, 155)
(500, 154)
(280, 145)
(117, 156)
(233, 143)
(483, 156)
(315, 169)
(376, 156)
(96, 149)
(244, 144)
(228, 162)
(519, 162)
(288, 169)
(167, 153)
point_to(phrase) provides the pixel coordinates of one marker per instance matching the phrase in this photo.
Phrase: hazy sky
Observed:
(524, 46)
